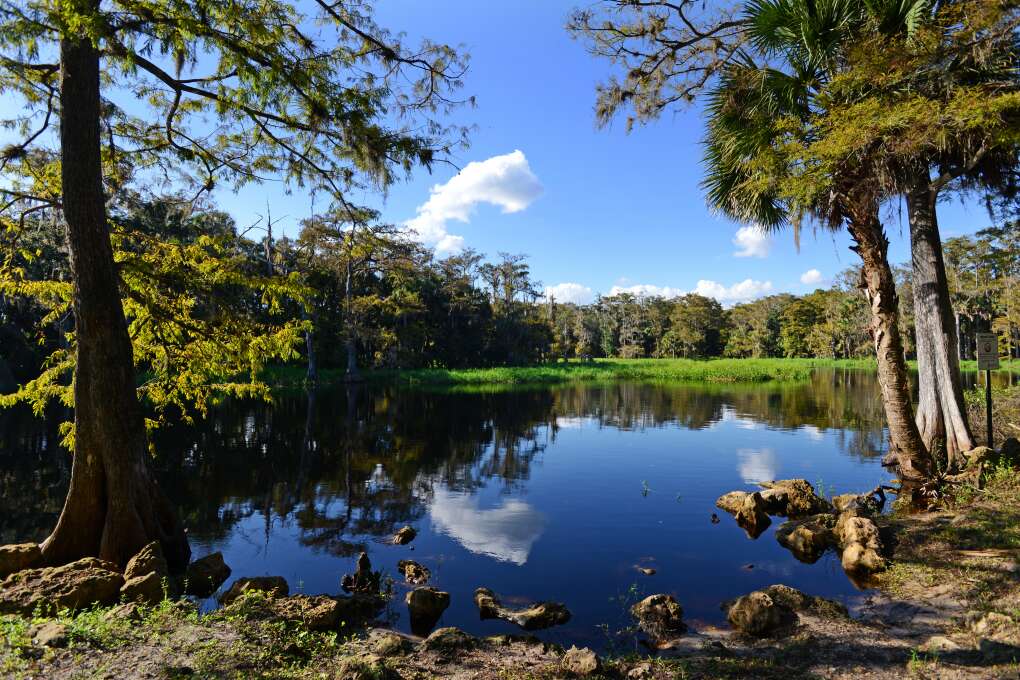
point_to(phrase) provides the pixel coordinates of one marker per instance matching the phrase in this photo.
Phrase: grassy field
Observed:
(604, 370)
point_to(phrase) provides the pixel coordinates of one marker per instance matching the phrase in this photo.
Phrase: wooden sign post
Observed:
(988, 361)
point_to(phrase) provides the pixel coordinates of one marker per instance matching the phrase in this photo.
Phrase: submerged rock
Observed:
(660, 616)
(807, 538)
(404, 536)
(759, 615)
(86, 582)
(204, 576)
(274, 586)
(581, 662)
(426, 606)
(19, 556)
(363, 580)
(793, 498)
(536, 617)
(413, 572)
(858, 536)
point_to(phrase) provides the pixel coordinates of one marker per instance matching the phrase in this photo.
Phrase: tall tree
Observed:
(234, 92)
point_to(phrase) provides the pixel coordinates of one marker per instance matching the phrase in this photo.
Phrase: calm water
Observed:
(537, 494)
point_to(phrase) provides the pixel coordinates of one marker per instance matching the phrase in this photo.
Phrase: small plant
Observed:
(645, 489)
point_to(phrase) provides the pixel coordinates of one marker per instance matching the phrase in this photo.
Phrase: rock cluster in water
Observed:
(536, 617)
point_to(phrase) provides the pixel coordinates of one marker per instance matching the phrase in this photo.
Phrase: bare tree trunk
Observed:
(941, 412)
(113, 506)
(905, 443)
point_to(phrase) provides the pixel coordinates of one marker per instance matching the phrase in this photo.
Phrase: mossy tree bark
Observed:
(941, 412)
(879, 286)
(114, 506)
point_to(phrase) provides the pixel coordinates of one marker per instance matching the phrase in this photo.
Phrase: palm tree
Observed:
(756, 114)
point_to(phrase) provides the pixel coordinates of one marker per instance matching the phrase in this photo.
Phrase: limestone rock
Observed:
(149, 559)
(390, 644)
(752, 516)
(365, 667)
(17, 557)
(793, 498)
(205, 576)
(275, 586)
(807, 538)
(660, 616)
(359, 607)
(448, 640)
(866, 504)
(50, 634)
(759, 615)
(859, 538)
(405, 535)
(414, 573)
(536, 617)
(77, 585)
(317, 612)
(581, 662)
(732, 501)
(798, 601)
(128, 611)
(363, 580)
(426, 605)
(146, 589)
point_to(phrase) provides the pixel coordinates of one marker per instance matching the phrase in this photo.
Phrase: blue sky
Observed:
(596, 209)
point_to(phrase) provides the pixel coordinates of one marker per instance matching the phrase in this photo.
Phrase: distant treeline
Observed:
(368, 296)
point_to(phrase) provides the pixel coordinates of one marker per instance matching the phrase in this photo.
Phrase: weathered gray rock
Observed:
(414, 573)
(405, 535)
(204, 576)
(19, 556)
(86, 582)
(274, 586)
(859, 538)
(660, 616)
(793, 498)
(808, 538)
(426, 605)
(536, 617)
(50, 634)
(759, 615)
(448, 641)
(581, 662)
(145, 589)
(363, 580)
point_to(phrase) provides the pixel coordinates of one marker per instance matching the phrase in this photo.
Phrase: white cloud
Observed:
(811, 277)
(751, 242)
(748, 289)
(505, 533)
(570, 292)
(647, 290)
(505, 181)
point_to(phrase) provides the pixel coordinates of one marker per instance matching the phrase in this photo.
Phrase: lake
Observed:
(552, 493)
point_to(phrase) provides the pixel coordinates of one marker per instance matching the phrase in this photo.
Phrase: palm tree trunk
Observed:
(905, 444)
(941, 413)
(113, 507)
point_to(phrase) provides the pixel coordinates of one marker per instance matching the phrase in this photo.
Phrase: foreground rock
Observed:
(859, 539)
(86, 582)
(536, 617)
(758, 614)
(363, 580)
(414, 573)
(426, 606)
(660, 616)
(404, 536)
(793, 498)
(317, 612)
(274, 586)
(205, 576)
(148, 560)
(19, 556)
(581, 662)
(808, 538)
(147, 576)
(448, 641)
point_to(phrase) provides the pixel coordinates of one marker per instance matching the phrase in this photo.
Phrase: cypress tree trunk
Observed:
(941, 413)
(905, 444)
(113, 506)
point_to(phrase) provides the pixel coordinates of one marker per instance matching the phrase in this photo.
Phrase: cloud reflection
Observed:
(505, 533)
(756, 465)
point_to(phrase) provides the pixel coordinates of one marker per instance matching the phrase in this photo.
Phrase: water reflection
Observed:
(509, 489)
